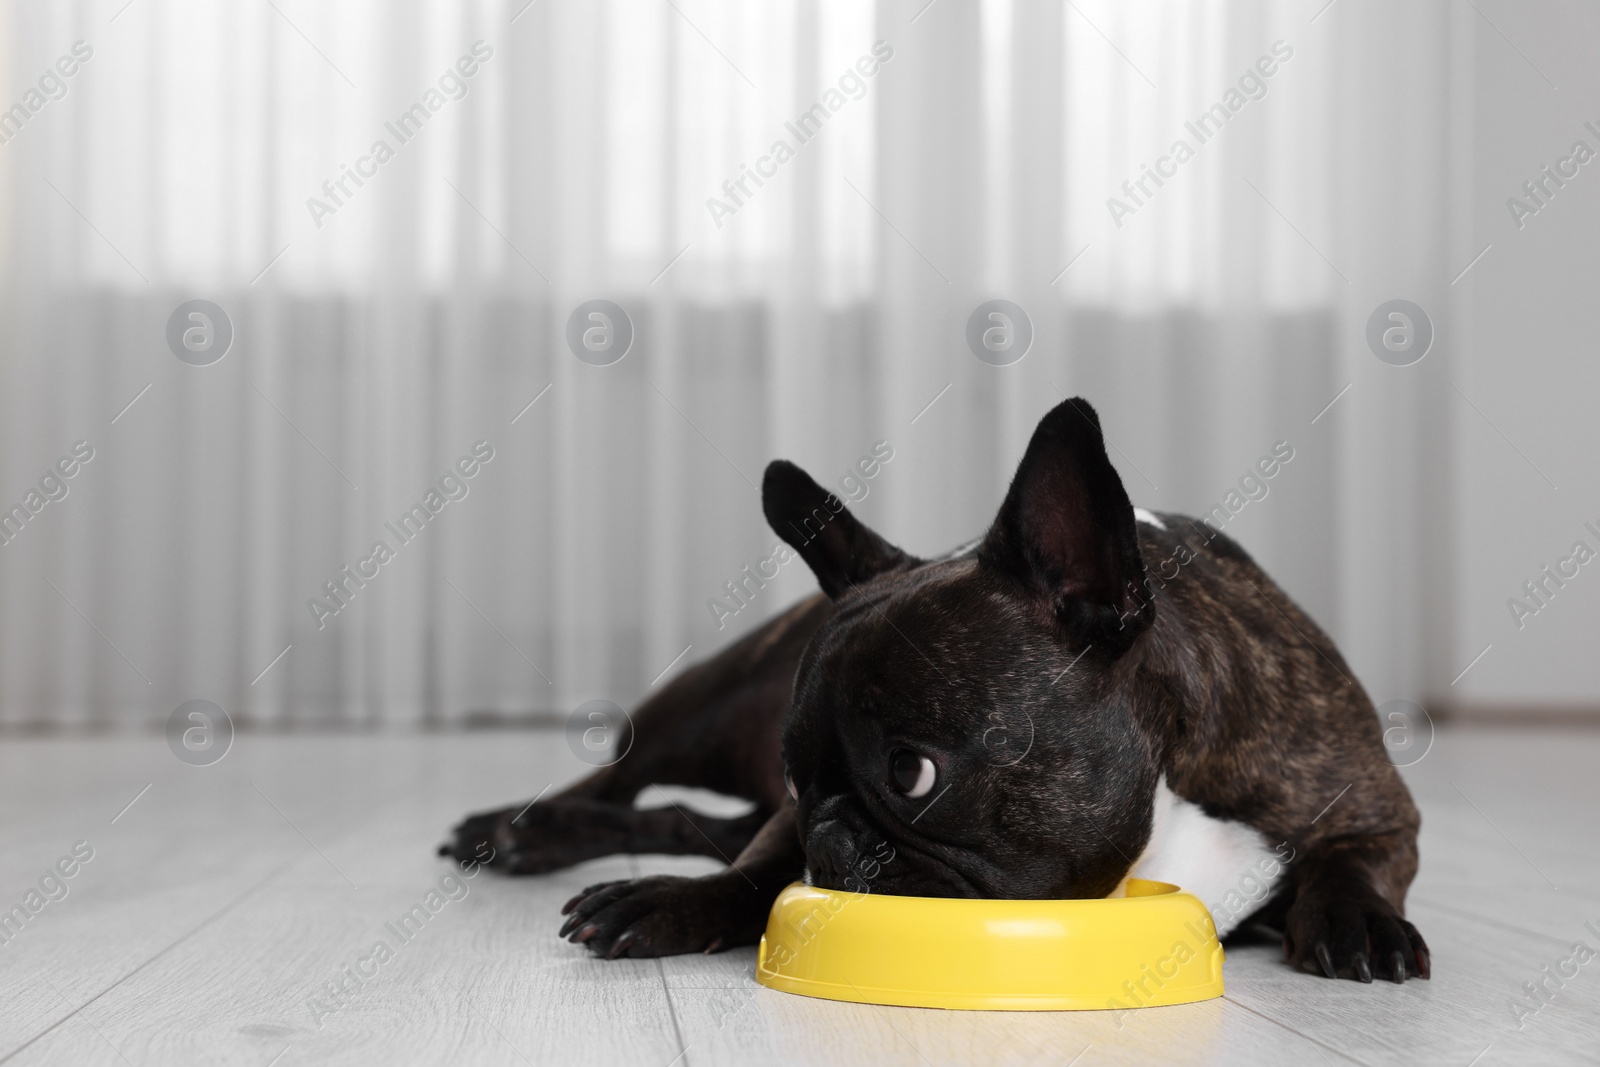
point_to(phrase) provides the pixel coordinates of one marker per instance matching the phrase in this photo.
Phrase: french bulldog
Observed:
(1035, 715)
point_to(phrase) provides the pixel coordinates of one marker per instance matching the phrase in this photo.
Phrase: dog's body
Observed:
(1037, 715)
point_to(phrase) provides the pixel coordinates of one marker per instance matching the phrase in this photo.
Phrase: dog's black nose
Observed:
(830, 852)
(842, 856)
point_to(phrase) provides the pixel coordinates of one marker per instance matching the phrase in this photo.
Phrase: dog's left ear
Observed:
(1066, 532)
(840, 551)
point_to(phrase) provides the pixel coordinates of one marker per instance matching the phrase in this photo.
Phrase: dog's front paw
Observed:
(1352, 932)
(666, 916)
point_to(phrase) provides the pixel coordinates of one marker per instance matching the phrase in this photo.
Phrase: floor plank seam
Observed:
(1509, 928)
(661, 973)
(207, 921)
(1278, 1022)
(672, 1013)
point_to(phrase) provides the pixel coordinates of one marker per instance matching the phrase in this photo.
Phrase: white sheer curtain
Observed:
(384, 327)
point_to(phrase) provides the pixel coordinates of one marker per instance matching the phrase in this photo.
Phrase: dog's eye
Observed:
(788, 780)
(911, 773)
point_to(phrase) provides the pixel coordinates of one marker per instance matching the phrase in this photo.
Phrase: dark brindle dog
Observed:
(1028, 717)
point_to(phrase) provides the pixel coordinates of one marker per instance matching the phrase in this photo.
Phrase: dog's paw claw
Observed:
(1397, 967)
(621, 945)
(1345, 933)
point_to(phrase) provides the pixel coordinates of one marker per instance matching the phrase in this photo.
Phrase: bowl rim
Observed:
(1157, 890)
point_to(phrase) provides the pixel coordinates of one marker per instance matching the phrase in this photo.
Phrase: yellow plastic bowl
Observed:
(1155, 946)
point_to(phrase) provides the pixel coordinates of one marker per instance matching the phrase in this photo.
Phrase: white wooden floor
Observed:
(224, 899)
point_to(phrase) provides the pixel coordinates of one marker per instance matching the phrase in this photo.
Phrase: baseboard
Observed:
(466, 722)
(1571, 715)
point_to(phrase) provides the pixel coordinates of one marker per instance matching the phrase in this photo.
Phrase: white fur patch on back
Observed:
(1144, 515)
(1228, 865)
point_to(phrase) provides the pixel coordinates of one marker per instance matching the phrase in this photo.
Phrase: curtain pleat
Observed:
(377, 346)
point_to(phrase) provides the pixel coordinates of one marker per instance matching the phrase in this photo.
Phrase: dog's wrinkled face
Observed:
(962, 727)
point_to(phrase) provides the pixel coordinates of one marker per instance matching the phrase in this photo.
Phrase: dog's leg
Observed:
(550, 835)
(1345, 920)
(596, 817)
(667, 915)
(714, 726)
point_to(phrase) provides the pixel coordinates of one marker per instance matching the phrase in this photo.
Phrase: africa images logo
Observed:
(1252, 86)
(851, 85)
(453, 84)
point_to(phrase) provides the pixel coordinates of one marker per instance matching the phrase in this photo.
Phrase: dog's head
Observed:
(963, 726)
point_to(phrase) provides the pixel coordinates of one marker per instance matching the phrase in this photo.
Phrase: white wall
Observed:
(1527, 344)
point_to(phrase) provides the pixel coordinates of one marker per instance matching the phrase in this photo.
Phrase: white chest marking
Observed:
(1142, 515)
(1228, 865)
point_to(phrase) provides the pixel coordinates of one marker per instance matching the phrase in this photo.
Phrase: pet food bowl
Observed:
(1154, 946)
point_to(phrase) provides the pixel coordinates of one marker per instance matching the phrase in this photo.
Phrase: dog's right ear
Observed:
(840, 551)
(1066, 532)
